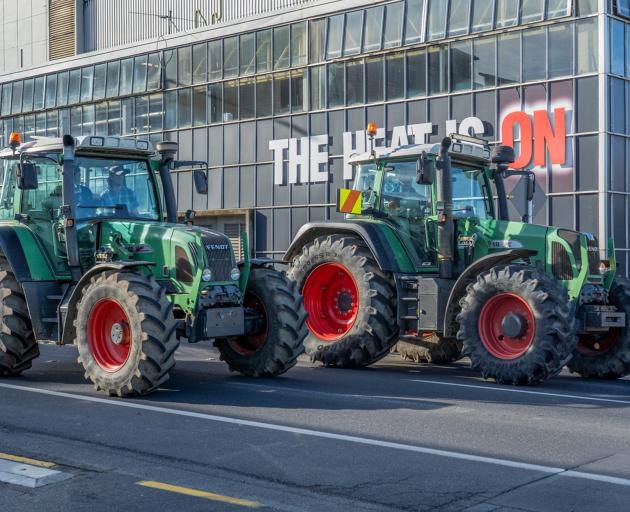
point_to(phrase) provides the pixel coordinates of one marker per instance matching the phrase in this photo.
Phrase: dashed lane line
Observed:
(328, 435)
(27, 460)
(196, 493)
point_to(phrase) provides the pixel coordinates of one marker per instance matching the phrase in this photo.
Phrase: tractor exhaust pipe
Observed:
(446, 237)
(69, 207)
(167, 151)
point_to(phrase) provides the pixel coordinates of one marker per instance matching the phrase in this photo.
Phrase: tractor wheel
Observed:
(351, 303)
(18, 347)
(432, 349)
(279, 327)
(125, 333)
(606, 356)
(516, 325)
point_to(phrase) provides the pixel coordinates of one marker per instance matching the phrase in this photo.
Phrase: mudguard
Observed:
(68, 307)
(470, 274)
(371, 234)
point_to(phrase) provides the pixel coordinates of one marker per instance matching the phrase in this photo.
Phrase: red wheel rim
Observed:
(593, 345)
(331, 299)
(248, 345)
(499, 310)
(109, 335)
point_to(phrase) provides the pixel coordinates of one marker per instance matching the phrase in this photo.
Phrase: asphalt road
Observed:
(397, 436)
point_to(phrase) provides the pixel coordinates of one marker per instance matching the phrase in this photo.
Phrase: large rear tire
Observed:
(277, 341)
(516, 325)
(350, 301)
(433, 349)
(18, 347)
(606, 356)
(125, 333)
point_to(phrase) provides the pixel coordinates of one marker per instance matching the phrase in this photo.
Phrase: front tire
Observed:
(125, 332)
(350, 301)
(606, 356)
(18, 347)
(516, 325)
(277, 340)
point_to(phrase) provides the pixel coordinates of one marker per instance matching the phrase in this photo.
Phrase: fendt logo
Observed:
(534, 136)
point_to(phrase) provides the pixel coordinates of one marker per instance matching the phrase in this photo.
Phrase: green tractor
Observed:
(427, 258)
(87, 259)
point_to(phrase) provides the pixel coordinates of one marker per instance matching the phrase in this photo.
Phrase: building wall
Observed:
(23, 34)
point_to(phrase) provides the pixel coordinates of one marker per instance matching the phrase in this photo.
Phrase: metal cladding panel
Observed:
(61, 19)
(110, 23)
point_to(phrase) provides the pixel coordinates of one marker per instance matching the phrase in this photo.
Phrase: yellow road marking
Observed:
(26, 460)
(199, 494)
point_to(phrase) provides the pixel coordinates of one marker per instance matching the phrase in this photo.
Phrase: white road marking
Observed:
(329, 435)
(523, 391)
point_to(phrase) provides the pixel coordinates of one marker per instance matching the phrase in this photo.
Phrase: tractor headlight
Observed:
(235, 274)
(206, 275)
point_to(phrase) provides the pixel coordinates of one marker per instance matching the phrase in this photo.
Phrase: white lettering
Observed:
(399, 137)
(420, 132)
(278, 147)
(353, 143)
(319, 159)
(472, 126)
(299, 160)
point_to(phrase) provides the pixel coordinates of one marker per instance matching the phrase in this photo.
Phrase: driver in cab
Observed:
(118, 193)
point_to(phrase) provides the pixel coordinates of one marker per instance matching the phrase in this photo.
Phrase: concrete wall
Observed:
(23, 34)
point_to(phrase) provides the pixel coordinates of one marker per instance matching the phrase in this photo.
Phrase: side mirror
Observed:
(425, 170)
(26, 176)
(201, 181)
(503, 155)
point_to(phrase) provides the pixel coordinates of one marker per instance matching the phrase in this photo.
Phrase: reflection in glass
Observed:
(51, 90)
(100, 78)
(395, 76)
(299, 90)
(334, 37)
(27, 96)
(38, 96)
(437, 19)
(74, 86)
(16, 106)
(199, 106)
(230, 101)
(317, 43)
(532, 10)
(200, 63)
(617, 46)
(154, 71)
(140, 74)
(354, 30)
(438, 69)
(507, 13)
(230, 56)
(416, 73)
(393, 25)
(557, 9)
(170, 110)
(372, 39)
(509, 50)
(126, 76)
(318, 87)
(264, 96)
(281, 93)
(413, 21)
(461, 58)
(247, 95)
(263, 51)
(482, 16)
(281, 55)
(374, 77)
(87, 83)
(156, 112)
(587, 46)
(484, 62)
(458, 17)
(184, 64)
(113, 70)
(100, 126)
(113, 116)
(534, 43)
(248, 54)
(355, 83)
(560, 50)
(336, 85)
(215, 103)
(298, 44)
(215, 60)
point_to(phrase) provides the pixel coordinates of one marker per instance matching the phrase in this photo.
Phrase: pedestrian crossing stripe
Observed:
(349, 201)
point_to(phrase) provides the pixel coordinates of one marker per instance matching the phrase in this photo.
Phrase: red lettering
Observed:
(545, 138)
(507, 136)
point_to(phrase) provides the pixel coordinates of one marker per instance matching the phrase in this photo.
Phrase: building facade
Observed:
(276, 101)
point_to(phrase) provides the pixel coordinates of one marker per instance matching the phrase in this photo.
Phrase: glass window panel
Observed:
(354, 82)
(437, 19)
(458, 19)
(298, 44)
(29, 128)
(438, 69)
(557, 9)
(335, 37)
(87, 124)
(281, 93)
(75, 120)
(587, 47)
(52, 123)
(336, 85)
(484, 62)
(215, 103)
(16, 106)
(299, 90)
(100, 78)
(100, 116)
(375, 84)
(281, 54)
(27, 96)
(461, 66)
(248, 54)
(184, 108)
(170, 69)
(113, 118)
(215, 60)
(264, 96)
(393, 25)
(154, 72)
(416, 73)
(87, 83)
(128, 120)
(7, 92)
(585, 7)
(184, 65)
(247, 98)
(230, 101)
(51, 90)
(200, 63)
(74, 86)
(413, 21)
(126, 76)
(534, 43)
(199, 106)
(38, 96)
(395, 76)
(373, 37)
(318, 87)
(622, 8)
(507, 13)
(617, 44)
(113, 72)
(532, 10)
(140, 74)
(40, 124)
(482, 15)
(354, 32)
(230, 56)
(509, 58)
(317, 43)
(560, 50)
(142, 114)
(156, 112)
(170, 110)
(263, 51)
